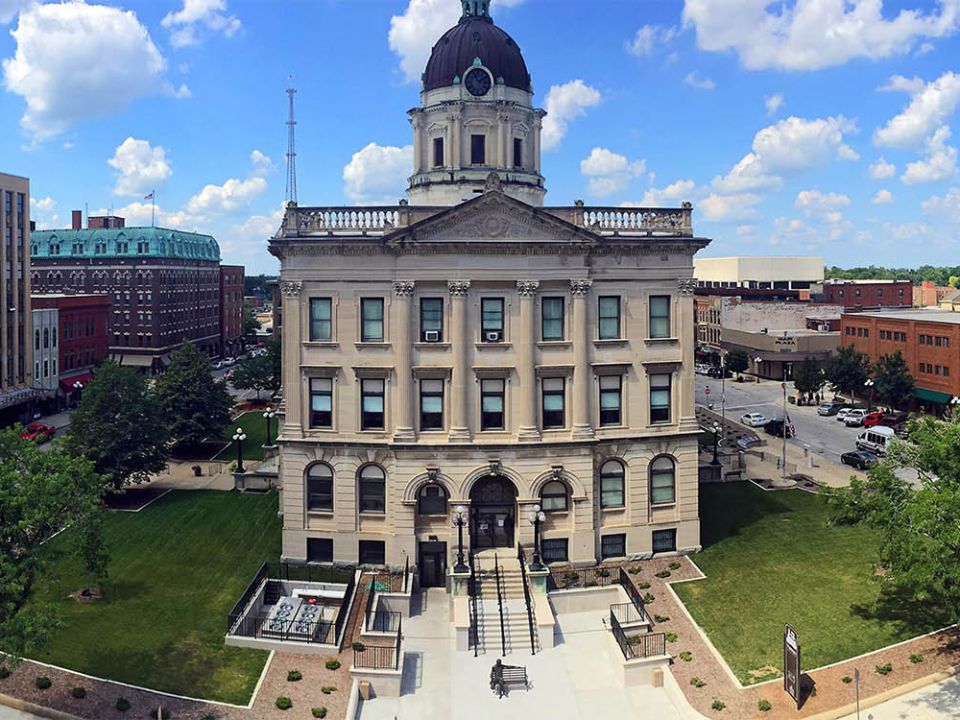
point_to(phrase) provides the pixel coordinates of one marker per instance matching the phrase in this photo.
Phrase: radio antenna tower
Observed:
(291, 148)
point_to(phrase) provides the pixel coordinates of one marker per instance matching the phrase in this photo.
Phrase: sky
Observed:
(795, 127)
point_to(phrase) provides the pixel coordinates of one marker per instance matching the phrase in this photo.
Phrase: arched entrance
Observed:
(493, 513)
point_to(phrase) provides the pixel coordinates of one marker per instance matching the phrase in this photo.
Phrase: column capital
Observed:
(528, 288)
(687, 286)
(403, 288)
(291, 288)
(458, 288)
(580, 287)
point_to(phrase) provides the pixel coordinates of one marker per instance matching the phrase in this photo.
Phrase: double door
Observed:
(493, 526)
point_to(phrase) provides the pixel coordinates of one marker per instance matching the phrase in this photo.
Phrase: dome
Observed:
(475, 36)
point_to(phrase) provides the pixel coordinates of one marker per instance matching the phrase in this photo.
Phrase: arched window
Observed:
(320, 488)
(432, 500)
(373, 489)
(553, 497)
(663, 480)
(46, 338)
(611, 484)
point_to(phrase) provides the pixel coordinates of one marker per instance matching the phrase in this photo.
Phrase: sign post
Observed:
(791, 664)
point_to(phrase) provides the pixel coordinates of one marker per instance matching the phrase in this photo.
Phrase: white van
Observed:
(875, 439)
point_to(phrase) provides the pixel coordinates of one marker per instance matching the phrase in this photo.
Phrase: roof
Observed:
(475, 38)
(938, 316)
(932, 395)
(124, 242)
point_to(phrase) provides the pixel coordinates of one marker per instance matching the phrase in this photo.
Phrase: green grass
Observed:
(177, 568)
(255, 428)
(773, 558)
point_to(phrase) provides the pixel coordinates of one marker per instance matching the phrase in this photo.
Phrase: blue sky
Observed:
(804, 127)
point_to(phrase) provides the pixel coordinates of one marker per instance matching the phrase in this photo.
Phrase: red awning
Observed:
(68, 385)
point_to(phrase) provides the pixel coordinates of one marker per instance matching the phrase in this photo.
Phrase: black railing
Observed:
(641, 645)
(380, 657)
(384, 621)
(308, 572)
(371, 596)
(571, 578)
(344, 610)
(253, 587)
(621, 637)
(503, 632)
(406, 575)
(626, 613)
(474, 618)
(521, 556)
(631, 590)
(321, 632)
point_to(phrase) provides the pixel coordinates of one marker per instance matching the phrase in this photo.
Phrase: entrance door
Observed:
(432, 564)
(493, 507)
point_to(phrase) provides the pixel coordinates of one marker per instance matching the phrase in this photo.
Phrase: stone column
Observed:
(582, 377)
(460, 382)
(404, 431)
(526, 370)
(292, 340)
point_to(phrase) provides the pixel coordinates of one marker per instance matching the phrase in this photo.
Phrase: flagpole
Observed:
(153, 207)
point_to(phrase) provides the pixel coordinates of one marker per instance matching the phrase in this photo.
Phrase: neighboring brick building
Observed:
(231, 309)
(861, 294)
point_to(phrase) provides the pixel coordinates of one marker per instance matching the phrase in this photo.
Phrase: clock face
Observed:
(477, 82)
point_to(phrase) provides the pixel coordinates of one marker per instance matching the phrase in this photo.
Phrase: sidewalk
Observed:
(180, 475)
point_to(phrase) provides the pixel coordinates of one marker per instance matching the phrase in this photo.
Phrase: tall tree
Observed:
(41, 492)
(847, 370)
(255, 373)
(120, 427)
(195, 405)
(892, 380)
(737, 361)
(807, 377)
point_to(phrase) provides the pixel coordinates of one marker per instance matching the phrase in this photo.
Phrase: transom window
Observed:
(371, 399)
(321, 402)
(553, 497)
(660, 316)
(552, 310)
(491, 404)
(321, 319)
(609, 316)
(320, 488)
(373, 484)
(431, 319)
(371, 320)
(431, 404)
(660, 398)
(663, 483)
(611, 484)
(553, 402)
(432, 500)
(611, 400)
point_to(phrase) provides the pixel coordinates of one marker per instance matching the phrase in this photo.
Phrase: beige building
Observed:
(490, 353)
(775, 273)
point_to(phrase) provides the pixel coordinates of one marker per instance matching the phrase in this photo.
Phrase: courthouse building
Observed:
(473, 347)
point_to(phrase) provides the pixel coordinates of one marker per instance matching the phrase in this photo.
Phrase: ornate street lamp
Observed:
(238, 438)
(536, 517)
(459, 522)
(269, 415)
(869, 386)
(716, 441)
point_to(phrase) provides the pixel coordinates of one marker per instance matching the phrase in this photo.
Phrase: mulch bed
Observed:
(133, 498)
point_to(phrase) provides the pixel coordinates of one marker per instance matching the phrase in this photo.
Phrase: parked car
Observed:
(753, 419)
(855, 417)
(829, 408)
(873, 418)
(748, 441)
(843, 412)
(860, 459)
(778, 427)
(38, 432)
(893, 418)
(717, 373)
(875, 439)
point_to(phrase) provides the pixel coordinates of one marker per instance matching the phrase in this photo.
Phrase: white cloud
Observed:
(939, 164)
(186, 24)
(138, 214)
(947, 205)
(721, 208)
(670, 195)
(812, 34)
(246, 240)
(608, 173)
(899, 83)
(41, 211)
(565, 103)
(43, 204)
(10, 8)
(140, 167)
(773, 103)
(931, 104)
(231, 197)
(377, 174)
(748, 174)
(694, 80)
(649, 37)
(882, 197)
(262, 165)
(881, 170)
(817, 204)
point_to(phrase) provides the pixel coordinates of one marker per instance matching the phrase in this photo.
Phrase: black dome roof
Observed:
(475, 37)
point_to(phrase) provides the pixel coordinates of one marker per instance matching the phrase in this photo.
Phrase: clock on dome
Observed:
(477, 82)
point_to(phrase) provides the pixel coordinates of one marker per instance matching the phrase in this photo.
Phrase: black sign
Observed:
(791, 664)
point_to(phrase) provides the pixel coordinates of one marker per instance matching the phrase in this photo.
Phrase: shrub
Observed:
(122, 704)
(846, 679)
(79, 693)
(327, 689)
(642, 586)
(358, 646)
(661, 618)
(332, 664)
(601, 572)
(648, 599)
(717, 705)
(686, 656)
(662, 574)
(635, 570)
(763, 705)
(674, 565)
(4, 672)
(294, 676)
(697, 682)
(320, 712)
(916, 659)
(43, 682)
(884, 669)
(671, 637)
(284, 703)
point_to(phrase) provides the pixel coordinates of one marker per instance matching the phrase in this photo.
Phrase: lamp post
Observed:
(536, 517)
(269, 415)
(869, 386)
(716, 438)
(759, 361)
(238, 438)
(954, 403)
(459, 521)
(723, 390)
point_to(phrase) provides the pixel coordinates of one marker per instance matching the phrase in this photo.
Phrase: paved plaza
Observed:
(940, 701)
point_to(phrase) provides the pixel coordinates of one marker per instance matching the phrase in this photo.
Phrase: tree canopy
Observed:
(255, 373)
(194, 404)
(737, 361)
(807, 377)
(847, 370)
(892, 380)
(939, 275)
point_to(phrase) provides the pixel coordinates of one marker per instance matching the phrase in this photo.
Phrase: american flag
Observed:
(149, 197)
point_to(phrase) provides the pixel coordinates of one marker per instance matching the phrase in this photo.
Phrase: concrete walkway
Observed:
(579, 678)
(11, 714)
(940, 701)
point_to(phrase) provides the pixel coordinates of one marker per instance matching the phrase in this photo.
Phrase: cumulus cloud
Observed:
(231, 197)
(262, 165)
(812, 34)
(565, 103)
(43, 204)
(670, 195)
(377, 174)
(608, 173)
(940, 162)
(721, 208)
(187, 24)
(694, 80)
(650, 37)
(946, 205)
(881, 170)
(41, 211)
(773, 103)
(882, 197)
(10, 8)
(930, 106)
(816, 203)
(246, 240)
(138, 214)
(140, 167)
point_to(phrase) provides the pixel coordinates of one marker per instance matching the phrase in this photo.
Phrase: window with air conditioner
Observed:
(431, 319)
(491, 319)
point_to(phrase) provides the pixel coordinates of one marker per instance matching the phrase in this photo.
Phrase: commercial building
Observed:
(773, 355)
(865, 294)
(929, 294)
(487, 352)
(780, 273)
(231, 309)
(709, 305)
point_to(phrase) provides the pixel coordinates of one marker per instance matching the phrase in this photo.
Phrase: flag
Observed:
(149, 197)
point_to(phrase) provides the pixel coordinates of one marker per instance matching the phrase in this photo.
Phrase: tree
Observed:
(273, 352)
(255, 373)
(847, 370)
(737, 361)
(41, 492)
(119, 426)
(807, 377)
(195, 405)
(892, 380)
(250, 323)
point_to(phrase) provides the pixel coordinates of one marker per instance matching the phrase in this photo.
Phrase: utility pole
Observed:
(783, 460)
(291, 148)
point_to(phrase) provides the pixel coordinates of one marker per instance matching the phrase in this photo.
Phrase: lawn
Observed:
(773, 558)
(254, 426)
(177, 567)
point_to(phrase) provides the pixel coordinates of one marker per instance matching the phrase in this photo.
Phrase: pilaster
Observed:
(582, 377)
(459, 425)
(404, 361)
(292, 343)
(526, 370)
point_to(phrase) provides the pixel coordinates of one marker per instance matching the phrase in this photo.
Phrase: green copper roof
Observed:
(123, 242)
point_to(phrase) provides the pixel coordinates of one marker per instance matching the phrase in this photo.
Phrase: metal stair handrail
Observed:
(475, 620)
(503, 633)
(521, 556)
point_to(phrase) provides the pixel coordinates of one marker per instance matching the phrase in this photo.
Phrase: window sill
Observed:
(372, 345)
(321, 344)
(321, 430)
(555, 344)
(494, 345)
(611, 342)
(664, 340)
(619, 508)
(556, 513)
(664, 506)
(421, 345)
(373, 513)
(320, 513)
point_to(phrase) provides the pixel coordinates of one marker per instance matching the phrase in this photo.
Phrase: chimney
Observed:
(77, 219)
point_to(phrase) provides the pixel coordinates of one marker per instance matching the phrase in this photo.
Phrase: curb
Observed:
(886, 695)
(35, 709)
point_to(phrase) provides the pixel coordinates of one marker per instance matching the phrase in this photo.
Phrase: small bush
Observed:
(717, 705)
(697, 682)
(635, 570)
(332, 664)
(284, 703)
(648, 599)
(320, 712)
(359, 646)
(294, 676)
(661, 618)
(674, 565)
(79, 693)
(122, 704)
(643, 586)
(763, 705)
(601, 572)
(662, 574)
(846, 679)
(43, 682)
(4, 672)
(327, 689)
(916, 659)
(884, 669)
(686, 656)
(671, 637)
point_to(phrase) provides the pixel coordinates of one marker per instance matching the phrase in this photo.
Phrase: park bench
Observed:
(502, 676)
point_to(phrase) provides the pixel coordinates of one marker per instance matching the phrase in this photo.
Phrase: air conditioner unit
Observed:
(431, 336)
(492, 336)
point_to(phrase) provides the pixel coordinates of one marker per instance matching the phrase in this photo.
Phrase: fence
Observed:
(380, 657)
(775, 460)
(344, 611)
(248, 594)
(631, 590)
(308, 572)
(570, 578)
(642, 645)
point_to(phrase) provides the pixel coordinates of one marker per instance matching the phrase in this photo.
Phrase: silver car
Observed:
(753, 419)
(843, 412)
(854, 418)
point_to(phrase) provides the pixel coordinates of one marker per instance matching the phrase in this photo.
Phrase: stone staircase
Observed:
(516, 627)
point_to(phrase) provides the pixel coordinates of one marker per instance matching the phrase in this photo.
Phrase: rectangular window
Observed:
(319, 550)
(371, 552)
(660, 398)
(431, 404)
(371, 398)
(552, 311)
(609, 315)
(320, 493)
(491, 404)
(431, 319)
(613, 546)
(321, 319)
(478, 149)
(371, 320)
(438, 152)
(611, 400)
(321, 402)
(555, 550)
(491, 319)
(517, 152)
(946, 370)
(664, 541)
(553, 400)
(660, 316)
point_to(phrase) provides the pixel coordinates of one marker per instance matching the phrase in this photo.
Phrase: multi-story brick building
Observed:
(865, 294)
(231, 309)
